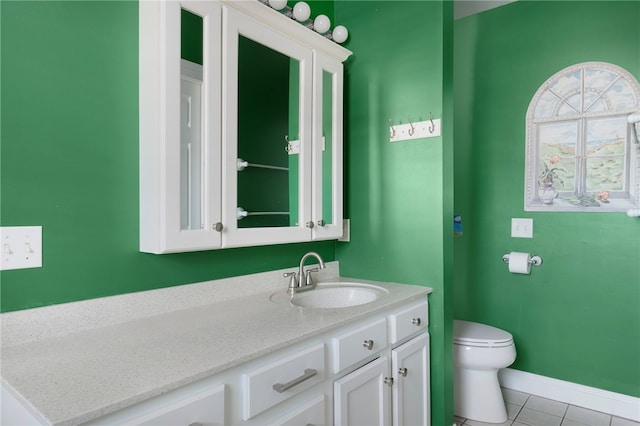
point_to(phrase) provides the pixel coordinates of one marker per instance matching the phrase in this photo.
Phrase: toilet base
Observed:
(480, 397)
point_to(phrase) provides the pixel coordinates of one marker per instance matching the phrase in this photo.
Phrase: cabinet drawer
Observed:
(205, 408)
(407, 321)
(312, 413)
(356, 345)
(275, 382)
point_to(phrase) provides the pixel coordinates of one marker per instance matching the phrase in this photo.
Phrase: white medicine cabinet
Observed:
(240, 127)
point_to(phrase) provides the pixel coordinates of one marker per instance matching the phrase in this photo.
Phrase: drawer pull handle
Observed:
(416, 321)
(402, 372)
(308, 373)
(196, 424)
(368, 344)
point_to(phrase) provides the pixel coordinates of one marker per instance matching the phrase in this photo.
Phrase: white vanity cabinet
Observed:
(202, 403)
(393, 389)
(410, 373)
(358, 345)
(362, 397)
(286, 365)
(268, 385)
(287, 387)
(206, 408)
(248, 150)
(311, 413)
(371, 372)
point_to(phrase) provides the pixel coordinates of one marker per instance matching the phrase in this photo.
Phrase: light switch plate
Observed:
(21, 247)
(521, 228)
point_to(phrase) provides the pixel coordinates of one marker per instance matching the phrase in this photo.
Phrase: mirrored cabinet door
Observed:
(266, 135)
(327, 148)
(180, 81)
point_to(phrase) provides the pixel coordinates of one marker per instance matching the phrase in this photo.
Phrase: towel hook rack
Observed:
(432, 126)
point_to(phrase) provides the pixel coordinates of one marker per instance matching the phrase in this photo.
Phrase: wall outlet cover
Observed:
(521, 228)
(21, 247)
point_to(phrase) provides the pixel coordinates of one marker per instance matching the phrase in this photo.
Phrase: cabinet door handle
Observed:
(402, 372)
(368, 344)
(416, 321)
(308, 373)
(388, 381)
(218, 227)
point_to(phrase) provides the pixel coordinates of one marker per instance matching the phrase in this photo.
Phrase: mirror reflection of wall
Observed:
(264, 80)
(191, 44)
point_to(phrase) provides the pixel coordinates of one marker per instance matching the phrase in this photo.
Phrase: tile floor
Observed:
(531, 410)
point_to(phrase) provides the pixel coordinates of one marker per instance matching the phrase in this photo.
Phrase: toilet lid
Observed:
(475, 334)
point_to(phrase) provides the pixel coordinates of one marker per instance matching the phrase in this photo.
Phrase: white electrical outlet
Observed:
(521, 228)
(21, 247)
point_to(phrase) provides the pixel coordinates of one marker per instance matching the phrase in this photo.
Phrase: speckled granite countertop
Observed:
(76, 362)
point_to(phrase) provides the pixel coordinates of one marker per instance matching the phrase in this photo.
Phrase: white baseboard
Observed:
(616, 404)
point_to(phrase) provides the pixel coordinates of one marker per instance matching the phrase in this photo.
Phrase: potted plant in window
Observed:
(547, 179)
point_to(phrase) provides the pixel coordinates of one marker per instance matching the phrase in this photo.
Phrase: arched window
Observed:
(582, 150)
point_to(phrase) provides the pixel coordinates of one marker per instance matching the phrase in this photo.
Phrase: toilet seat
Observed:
(469, 333)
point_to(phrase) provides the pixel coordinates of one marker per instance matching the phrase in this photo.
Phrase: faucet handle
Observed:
(308, 280)
(293, 281)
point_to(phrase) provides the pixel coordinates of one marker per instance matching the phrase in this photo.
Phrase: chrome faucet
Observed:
(302, 280)
(308, 282)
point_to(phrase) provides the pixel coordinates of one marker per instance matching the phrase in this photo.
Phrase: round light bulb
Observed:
(278, 4)
(340, 34)
(321, 24)
(301, 11)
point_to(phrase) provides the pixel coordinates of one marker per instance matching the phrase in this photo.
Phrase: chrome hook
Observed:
(432, 126)
(392, 133)
(412, 130)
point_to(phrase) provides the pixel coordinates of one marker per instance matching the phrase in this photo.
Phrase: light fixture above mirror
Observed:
(301, 12)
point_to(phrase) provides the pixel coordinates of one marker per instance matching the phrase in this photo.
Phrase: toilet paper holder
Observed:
(535, 260)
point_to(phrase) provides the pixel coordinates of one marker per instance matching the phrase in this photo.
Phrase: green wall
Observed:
(576, 317)
(398, 194)
(69, 160)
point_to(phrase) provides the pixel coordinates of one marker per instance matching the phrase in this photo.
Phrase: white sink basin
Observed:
(338, 295)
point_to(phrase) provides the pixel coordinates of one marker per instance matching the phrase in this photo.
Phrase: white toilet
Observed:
(479, 351)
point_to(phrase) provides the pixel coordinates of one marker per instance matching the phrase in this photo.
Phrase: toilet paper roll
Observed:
(519, 263)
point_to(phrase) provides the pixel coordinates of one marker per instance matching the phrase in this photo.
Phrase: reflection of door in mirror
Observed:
(191, 158)
(190, 145)
(264, 82)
